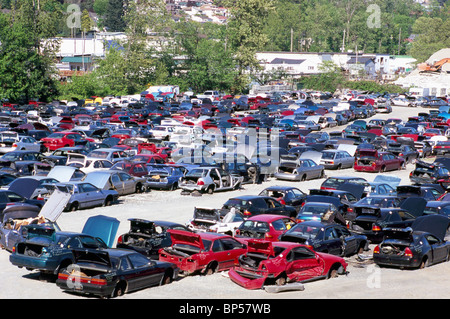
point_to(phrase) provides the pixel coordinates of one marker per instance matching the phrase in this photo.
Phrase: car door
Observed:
(348, 240)
(146, 273)
(117, 183)
(439, 248)
(303, 264)
(129, 184)
(231, 250)
(93, 195)
(331, 242)
(274, 207)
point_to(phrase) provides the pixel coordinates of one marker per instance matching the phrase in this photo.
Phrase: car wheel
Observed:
(211, 268)
(73, 207)
(173, 187)
(108, 201)
(423, 263)
(119, 290)
(210, 190)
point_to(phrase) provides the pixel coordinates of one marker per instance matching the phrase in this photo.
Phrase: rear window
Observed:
(255, 226)
(333, 182)
(305, 231)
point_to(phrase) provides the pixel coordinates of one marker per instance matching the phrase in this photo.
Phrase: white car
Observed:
(11, 141)
(398, 101)
(162, 132)
(230, 222)
(87, 164)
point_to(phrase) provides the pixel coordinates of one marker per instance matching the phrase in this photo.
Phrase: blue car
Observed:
(48, 250)
(314, 211)
(165, 176)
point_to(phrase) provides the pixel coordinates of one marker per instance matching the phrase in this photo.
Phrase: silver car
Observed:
(336, 159)
(296, 169)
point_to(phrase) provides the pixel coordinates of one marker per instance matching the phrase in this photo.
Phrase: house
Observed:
(361, 66)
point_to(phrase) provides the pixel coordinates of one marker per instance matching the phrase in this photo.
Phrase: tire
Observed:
(107, 202)
(211, 269)
(119, 290)
(73, 207)
(281, 280)
(423, 263)
(210, 190)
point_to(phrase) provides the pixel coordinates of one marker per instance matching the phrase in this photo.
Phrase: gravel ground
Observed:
(364, 280)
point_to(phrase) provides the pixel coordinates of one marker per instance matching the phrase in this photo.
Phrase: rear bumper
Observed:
(252, 282)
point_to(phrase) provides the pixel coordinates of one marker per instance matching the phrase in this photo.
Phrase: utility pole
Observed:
(399, 37)
(343, 42)
(292, 37)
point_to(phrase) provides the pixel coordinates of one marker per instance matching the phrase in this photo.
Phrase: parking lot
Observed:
(364, 280)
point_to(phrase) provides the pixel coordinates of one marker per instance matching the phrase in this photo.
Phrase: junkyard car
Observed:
(286, 195)
(85, 195)
(203, 252)
(147, 237)
(295, 169)
(249, 205)
(374, 161)
(209, 179)
(203, 219)
(267, 227)
(418, 246)
(428, 173)
(165, 176)
(113, 272)
(14, 218)
(327, 237)
(336, 159)
(48, 250)
(268, 263)
(119, 181)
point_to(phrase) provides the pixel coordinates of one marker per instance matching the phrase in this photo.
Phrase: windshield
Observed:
(196, 173)
(302, 230)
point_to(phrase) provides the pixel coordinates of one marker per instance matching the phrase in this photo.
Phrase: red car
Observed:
(63, 139)
(202, 252)
(133, 168)
(265, 226)
(268, 263)
(369, 160)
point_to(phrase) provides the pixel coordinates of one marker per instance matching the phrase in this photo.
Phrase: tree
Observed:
(114, 16)
(246, 36)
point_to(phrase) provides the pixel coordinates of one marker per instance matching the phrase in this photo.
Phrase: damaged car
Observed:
(113, 272)
(48, 250)
(203, 252)
(428, 173)
(418, 246)
(277, 263)
(295, 169)
(209, 179)
(369, 160)
(147, 237)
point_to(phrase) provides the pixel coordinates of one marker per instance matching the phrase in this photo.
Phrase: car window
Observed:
(217, 246)
(89, 188)
(12, 197)
(302, 253)
(138, 260)
(278, 225)
(330, 233)
(230, 243)
(125, 264)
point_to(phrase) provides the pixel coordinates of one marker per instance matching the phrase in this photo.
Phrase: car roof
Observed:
(280, 188)
(266, 217)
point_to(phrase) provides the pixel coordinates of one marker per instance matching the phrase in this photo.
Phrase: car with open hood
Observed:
(428, 173)
(147, 237)
(119, 181)
(286, 195)
(203, 252)
(249, 205)
(113, 272)
(277, 263)
(48, 250)
(418, 246)
(165, 176)
(267, 227)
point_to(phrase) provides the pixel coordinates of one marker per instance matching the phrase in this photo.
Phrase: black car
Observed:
(373, 202)
(250, 205)
(404, 151)
(8, 197)
(329, 238)
(426, 192)
(373, 221)
(287, 195)
(147, 237)
(113, 272)
(437, 207)
(428, 173)
(418, 246)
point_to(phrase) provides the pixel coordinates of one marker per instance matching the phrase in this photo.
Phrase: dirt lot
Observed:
(365, 280)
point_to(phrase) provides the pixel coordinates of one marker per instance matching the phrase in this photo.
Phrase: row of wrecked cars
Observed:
(277, 248)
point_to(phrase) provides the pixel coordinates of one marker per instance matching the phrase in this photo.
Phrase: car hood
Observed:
(97, 256)
(414, 205)
(433, 224)
(55, 205)
(207, 214)
(141, 226)
(19, 211)
(99, 180)
(76, 158)
(62, 174)
(388, 179)
(356, 189)
(186, 238)
(24, 186)
(260, 246)
(103, 227)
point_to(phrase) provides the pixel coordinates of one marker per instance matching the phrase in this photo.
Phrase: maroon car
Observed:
(138, 169)
(369, 160)
(268, 263)
(202, 252)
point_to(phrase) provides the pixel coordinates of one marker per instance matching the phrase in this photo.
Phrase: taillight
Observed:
(376, 250)
(268, 236)
(408, 252)
(376, 228)
(200, 183)
(238, 232)
(120, 240)
(14, 249)
(247, 213)
(14, 145)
